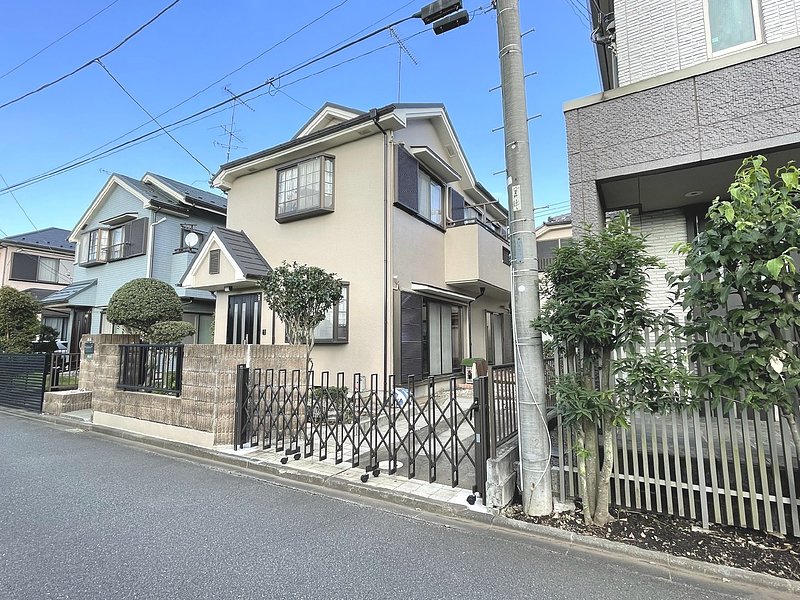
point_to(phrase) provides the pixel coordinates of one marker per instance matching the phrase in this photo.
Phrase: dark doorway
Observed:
(81, 325)
(244, 319)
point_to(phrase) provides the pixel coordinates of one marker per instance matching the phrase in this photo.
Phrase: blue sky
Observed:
(198, 42)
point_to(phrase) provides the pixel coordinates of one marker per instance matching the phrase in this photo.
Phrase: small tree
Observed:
(19, 320)
(301, 295)
(141, 303)
(597, 305)
(739, 291)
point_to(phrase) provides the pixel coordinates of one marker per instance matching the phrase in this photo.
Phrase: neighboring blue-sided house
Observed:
(138, 228)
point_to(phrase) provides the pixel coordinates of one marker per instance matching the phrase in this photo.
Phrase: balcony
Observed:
(475, 253)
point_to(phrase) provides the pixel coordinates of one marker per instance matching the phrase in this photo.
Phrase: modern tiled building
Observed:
(691, 87)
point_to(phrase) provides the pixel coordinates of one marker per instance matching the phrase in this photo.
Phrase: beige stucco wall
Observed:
(202, 278)
(348, 242)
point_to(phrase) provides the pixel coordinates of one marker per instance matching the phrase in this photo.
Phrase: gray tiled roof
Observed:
(564, 219)
(148, 191)
(73, 289)
(52, 237)
(193, 193)
(244, 252)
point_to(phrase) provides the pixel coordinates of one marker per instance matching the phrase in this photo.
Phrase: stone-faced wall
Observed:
(208, 389)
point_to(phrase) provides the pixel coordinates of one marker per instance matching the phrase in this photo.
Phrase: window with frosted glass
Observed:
(305, 189)
(731, 23)
(334, 328)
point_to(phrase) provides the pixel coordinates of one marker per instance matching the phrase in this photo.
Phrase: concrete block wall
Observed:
(208, 393)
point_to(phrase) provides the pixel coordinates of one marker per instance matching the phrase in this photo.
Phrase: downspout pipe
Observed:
(373, 113)
(469, 317)
(151, 241)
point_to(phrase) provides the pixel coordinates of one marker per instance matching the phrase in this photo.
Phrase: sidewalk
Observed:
(416, 494)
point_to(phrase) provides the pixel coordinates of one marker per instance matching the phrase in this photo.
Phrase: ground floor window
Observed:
(498, 338)
(334, 329)
(431, 336)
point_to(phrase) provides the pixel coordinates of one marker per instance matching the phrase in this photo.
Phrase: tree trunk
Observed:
(583, 488)
(590, 451)
(788, 414)
(601, 516)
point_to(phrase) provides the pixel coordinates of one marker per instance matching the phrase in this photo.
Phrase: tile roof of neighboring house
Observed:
(73, 289)
(148, 190)
(564, 219)
(52, 238)
(193, 193)
(244, 252)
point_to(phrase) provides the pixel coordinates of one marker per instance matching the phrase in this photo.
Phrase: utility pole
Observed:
(534, 438)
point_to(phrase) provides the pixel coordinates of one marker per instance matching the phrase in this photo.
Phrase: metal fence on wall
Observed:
(155, 368)
(22, 380)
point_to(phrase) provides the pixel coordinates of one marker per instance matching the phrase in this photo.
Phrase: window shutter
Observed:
(456, 206)
(213, 262)
(135, 236)
(24, 266)
(410, 336)
(407, 173)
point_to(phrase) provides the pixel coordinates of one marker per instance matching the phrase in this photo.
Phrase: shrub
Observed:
(170, 332)
(141, 303)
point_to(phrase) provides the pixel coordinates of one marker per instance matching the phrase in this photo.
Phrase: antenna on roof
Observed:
(230, 131)
(402, 49)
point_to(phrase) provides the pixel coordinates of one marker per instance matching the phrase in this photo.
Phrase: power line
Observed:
(54, 42)
(92, 61)
(577, 9)
(273, 82)
(182, 102)
(27, 216)
(3, 232)
(295, 100)
(149, 114)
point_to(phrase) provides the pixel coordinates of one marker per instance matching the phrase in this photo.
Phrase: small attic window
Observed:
(213, 262)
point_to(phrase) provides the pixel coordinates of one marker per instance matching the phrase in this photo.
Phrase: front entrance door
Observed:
(81, 325)
(244, 319)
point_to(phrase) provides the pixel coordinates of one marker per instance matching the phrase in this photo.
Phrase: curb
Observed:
(447, 510)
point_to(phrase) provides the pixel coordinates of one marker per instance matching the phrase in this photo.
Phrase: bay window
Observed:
(305, 189)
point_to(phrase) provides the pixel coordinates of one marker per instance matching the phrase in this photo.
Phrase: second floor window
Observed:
(430, 198)
(305, 189)
(42, 269)
(732, 23)
(125, 241)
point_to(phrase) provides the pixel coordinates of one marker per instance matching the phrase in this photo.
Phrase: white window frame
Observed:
(757, 26)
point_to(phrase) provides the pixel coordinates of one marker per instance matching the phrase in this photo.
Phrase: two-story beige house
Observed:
(40, 263)
(387, 200)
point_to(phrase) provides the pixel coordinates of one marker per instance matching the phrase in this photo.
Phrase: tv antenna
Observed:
(230, 130)
(402, 49)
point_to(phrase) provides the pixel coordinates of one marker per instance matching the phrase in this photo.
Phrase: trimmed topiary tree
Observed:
(19, 320)
(170, 332)
(141, 303)
(301, 295)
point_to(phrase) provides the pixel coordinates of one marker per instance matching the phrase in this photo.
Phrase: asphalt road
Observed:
(86, 516)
